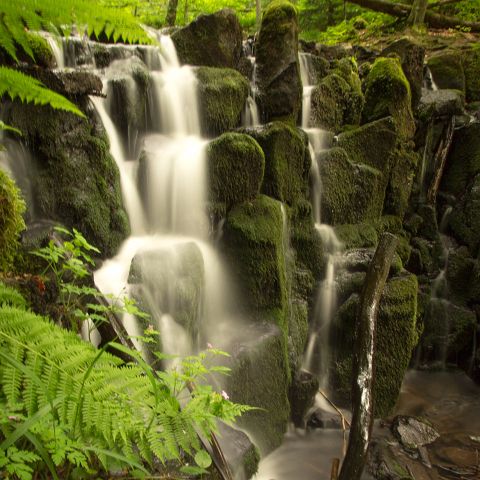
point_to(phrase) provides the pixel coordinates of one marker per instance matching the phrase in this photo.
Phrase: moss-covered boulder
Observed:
(170, 280)
(438, 103)
(471, 67)
(259, 377)
(278, 70)
(77, 181)
(387, 93)
(447, 70)
(213, 40)
(287, 161)
(12, 208)
(463, 161)
(465, 217)
(236, 165)
(222, 96)
(396, 336)
(253, 244)
(359, 235)
(371, 144)
(345, 184)
(412, 56)
(337, 100)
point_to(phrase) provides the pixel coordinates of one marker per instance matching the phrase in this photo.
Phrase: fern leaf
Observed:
(27, 89)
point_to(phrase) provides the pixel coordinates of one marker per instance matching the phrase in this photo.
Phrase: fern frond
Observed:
(27, 89)
(12, 297)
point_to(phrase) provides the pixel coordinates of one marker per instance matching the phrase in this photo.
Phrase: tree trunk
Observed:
(171, 17)
(362, 399)
(434, 20)
(417, 13)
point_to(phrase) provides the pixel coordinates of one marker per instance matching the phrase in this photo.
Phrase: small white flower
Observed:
(225, 395)
(209, 346)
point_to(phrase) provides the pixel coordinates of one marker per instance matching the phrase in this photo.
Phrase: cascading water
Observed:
(251, 115)
(167, 261)
(317, 354)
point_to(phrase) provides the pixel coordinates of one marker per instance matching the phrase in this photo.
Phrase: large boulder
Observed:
(236, 165)
(344, 184)
(222, 95)
(438, 103)
(278, 70)
(211, 40)
(338, 98)
(287, 161)
(447, 70)
(260, 378)
(76, 180)
(387, 93)
(412, 57)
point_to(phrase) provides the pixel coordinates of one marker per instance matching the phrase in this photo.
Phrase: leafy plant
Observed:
(12, 207)
(77, 407)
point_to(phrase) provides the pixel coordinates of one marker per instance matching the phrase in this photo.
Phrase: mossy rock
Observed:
(345, 184)
(371, 144)
(287, 161)
(170, 280)
(12, 208)
(302, 395)
(463, 161)
(222, 95)
(253, 244)
(387, 93)
(462, 277)
(259, 378)
(335, 103)
(278, 69)
(236, 165)
(412, 56)
(396, 336)
(471, 67)
(213, 40)
(77, 181)
(465, 217)
(447, 70)
(357, 236)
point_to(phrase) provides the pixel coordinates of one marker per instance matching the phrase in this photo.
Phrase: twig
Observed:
(335, 467)
(342, 416)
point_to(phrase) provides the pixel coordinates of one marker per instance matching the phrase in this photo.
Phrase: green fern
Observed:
(17, 85)
(58, 16)
(99, 403)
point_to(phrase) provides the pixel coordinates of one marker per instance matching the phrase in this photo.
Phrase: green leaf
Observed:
(203, 459)
(193, 470)
(8, 128)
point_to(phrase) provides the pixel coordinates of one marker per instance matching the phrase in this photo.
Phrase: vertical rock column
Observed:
(278, 70)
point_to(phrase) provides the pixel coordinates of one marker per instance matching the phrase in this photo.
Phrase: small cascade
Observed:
(428, 81)
(251, 114)
(317, 355)
(56, 44)
(167, 264)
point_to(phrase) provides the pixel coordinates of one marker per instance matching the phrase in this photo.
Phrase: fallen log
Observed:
(401, 10)
(363, 368)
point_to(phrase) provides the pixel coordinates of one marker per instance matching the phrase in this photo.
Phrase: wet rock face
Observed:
(278, 70)
(211, 40)
(413, 432)
(77, 181)
(302, 394)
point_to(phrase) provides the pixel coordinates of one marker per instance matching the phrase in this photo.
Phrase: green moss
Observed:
(287, 161)
(345, 184)
(387, 93)
(236, 165)
(357, 236)
(471, 66)
(372, 144)
(447, 70)
(77, 181)
(222, 94)
(42, 51)
(12, 207)
(259, 378)
(253, 243)
(297, 332)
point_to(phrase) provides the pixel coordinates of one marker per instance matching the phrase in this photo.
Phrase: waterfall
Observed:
(251, 115)
(56, 45)
(317, 354)
(167, 261)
